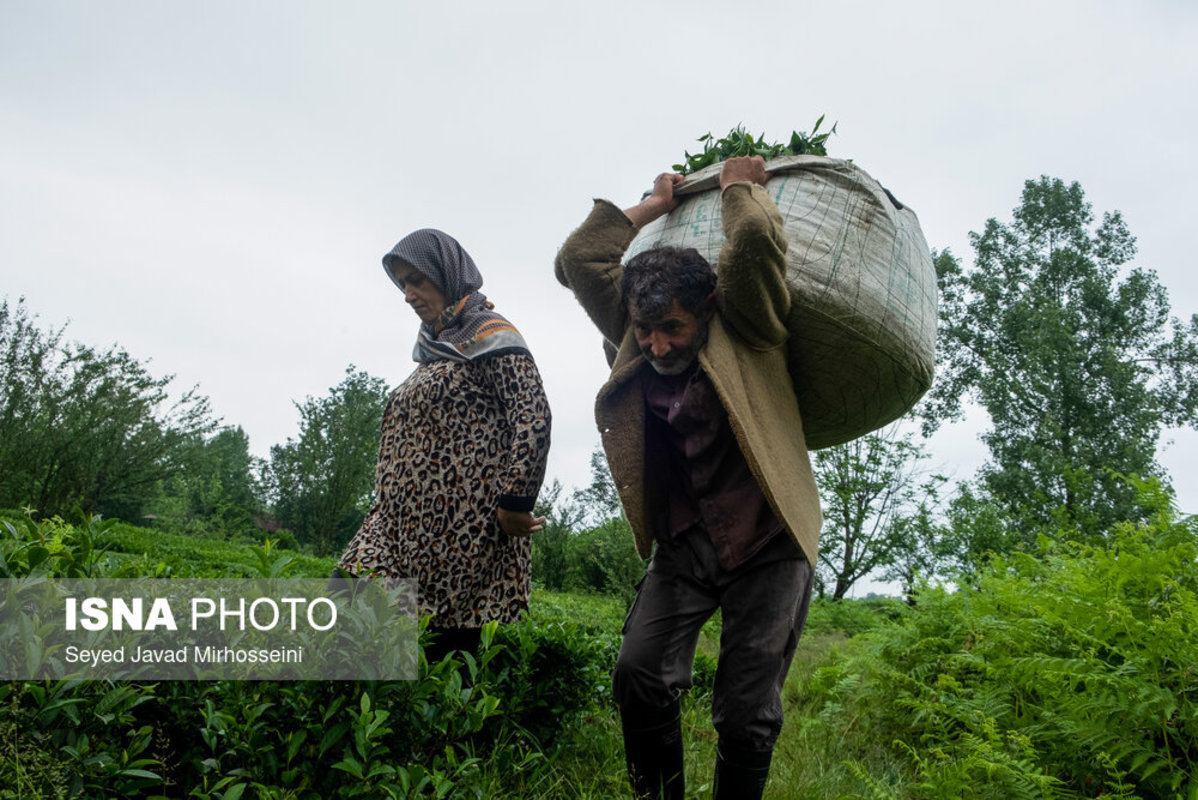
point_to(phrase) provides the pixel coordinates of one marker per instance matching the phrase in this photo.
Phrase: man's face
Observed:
(670, 342)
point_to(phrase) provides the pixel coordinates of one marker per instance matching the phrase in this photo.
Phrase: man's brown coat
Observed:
(745, 358)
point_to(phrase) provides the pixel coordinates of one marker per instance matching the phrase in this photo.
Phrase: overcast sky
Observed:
(212, 184)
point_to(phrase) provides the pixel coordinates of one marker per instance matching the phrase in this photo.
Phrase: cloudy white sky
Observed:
(211, 185)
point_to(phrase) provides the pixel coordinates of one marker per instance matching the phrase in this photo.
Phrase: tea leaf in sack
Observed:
(738, 142)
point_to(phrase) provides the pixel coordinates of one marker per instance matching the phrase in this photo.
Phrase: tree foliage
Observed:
(600, 500)
(322, 482)
(85, 428)
(217, 492)
(877, 511)
(586, 544)
(1078, 364)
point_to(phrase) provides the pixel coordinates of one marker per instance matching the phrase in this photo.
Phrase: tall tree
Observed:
(875, 494)
(322, 482)
(85, 428)
(932, 548)
(217, 491)
(1078, 364)
(600, 500)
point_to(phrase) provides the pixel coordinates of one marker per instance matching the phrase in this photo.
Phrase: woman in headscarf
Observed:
(464, 444)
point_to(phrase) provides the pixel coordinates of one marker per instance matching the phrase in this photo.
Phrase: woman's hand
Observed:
(519, 523)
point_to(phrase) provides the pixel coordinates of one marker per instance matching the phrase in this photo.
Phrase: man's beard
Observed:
(679, 361)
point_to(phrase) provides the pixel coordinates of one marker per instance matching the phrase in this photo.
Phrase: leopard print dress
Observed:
(456, 437)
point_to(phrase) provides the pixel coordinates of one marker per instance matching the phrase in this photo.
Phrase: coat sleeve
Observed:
(589, 264)
(751, 282)
(516, 383)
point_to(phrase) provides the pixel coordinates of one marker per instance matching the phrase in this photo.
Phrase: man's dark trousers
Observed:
(764, 604)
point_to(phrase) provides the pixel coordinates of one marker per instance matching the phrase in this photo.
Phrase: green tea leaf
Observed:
(738, 142)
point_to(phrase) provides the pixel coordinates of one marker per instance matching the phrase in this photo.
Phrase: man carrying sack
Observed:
(703, 436)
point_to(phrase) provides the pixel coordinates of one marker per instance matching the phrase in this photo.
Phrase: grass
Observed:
(597, 613)
(807, 762)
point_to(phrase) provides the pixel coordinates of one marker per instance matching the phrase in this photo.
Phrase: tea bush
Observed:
(319, 739)
(442, 734)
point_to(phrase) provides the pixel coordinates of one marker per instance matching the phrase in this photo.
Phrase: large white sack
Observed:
(863, 288)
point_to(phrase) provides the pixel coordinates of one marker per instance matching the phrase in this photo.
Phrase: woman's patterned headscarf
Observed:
(468, 328)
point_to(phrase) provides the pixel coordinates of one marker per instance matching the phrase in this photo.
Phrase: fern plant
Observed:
(1071, 674)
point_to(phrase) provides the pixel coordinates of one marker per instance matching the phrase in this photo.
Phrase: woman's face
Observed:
(419, 292)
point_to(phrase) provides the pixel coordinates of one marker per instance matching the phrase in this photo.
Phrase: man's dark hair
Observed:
(655, 278)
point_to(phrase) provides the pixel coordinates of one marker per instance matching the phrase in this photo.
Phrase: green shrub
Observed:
(852, 616)
(1070, 675)
(85, 739)
(551, 556)
(286, 540)
(54, 548)
(320, 739)
(601, 559)
(549, 672)
(604, 559)
(462, 725)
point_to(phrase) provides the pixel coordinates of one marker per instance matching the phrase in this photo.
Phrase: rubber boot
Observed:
(740, 772)
(653, 753)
